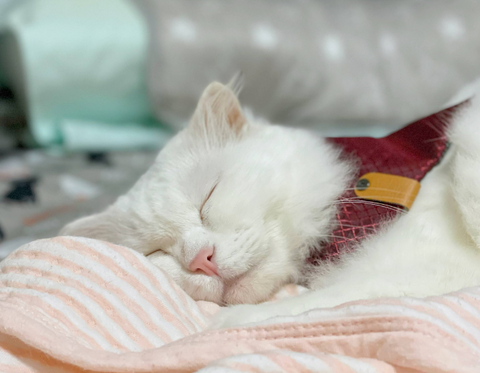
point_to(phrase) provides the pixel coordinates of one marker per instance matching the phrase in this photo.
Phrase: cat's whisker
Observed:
(360, 199)
(336, 236)
(377, 204)
(384, 189)
(436, 139)
(354, 226)
(348, 199)
(401, 211)
(432, 126)
(356, 198)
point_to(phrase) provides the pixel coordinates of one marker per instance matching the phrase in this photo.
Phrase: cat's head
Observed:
(231, 205)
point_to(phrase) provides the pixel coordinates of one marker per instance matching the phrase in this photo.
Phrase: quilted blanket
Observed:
(80, 305)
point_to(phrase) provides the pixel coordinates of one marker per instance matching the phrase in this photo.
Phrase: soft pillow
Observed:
(368, 65)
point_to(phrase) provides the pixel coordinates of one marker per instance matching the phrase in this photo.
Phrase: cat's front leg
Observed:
(342, 292)
(243, 314)
(247, 313)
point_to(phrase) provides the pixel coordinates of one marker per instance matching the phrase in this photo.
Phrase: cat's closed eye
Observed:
(204, 202)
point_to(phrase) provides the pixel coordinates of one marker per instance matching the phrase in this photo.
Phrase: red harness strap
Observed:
(411, 152)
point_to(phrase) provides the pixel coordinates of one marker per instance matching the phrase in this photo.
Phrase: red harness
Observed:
(411, 152)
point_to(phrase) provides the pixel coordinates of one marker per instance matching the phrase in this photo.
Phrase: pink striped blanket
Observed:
(80, 305)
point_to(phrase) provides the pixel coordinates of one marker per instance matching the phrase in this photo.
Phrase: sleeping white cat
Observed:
(232, 205)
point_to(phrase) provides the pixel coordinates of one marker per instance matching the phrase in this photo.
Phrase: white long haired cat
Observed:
(232, 205)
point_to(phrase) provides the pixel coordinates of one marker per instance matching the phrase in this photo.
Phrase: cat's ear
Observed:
(218, 113)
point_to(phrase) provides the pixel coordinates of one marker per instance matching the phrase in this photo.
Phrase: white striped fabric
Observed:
(80, 305)
(289, 361)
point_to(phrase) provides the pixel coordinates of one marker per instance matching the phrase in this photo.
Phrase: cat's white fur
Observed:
(275, 197)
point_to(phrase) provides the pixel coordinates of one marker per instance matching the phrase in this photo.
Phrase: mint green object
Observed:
(79, 67)
(98, 136)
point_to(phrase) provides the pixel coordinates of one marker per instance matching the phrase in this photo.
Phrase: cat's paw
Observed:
(241, 315)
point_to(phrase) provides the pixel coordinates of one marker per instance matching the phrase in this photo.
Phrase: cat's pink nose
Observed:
(204, 262)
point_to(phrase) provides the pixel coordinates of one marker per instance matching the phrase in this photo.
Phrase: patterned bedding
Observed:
(40, 191)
